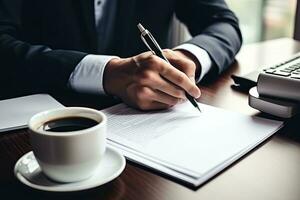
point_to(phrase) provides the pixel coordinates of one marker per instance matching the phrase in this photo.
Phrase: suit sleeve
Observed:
(214, 27)
(30, 66)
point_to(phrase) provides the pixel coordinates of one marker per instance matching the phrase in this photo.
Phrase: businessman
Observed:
(93, 46)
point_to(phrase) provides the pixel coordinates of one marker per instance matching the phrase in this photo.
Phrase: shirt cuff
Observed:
(87, 77)
(201, 55)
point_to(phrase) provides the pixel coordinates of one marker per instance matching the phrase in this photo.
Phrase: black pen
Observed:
(154, 47)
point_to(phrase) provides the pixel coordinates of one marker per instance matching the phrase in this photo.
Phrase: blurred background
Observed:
(264, 19)
(259, 20)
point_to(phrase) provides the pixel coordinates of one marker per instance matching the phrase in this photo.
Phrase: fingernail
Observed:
(197, 93)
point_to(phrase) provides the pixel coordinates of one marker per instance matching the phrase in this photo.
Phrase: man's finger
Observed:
(165, 98)
(155, 81)
(169, 88)
(180, 79)
(186, 66)
(183, 64)
(147, 98)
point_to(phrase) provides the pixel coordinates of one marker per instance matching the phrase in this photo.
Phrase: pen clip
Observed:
(146, 43)
(153, 40)
(155, 45)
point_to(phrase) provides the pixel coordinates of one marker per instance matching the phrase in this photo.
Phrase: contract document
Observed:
(183, 143)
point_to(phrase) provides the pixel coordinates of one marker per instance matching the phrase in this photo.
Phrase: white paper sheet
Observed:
(185, 141)
(15, 113)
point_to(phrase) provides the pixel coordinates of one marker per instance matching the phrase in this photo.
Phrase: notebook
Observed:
(15, 113)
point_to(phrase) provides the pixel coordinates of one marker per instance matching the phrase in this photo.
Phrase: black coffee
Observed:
(68, 124)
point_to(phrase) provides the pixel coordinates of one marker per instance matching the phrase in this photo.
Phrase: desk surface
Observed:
(271, 171)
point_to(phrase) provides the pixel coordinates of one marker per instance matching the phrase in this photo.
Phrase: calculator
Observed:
(282, 80)
(289, 68)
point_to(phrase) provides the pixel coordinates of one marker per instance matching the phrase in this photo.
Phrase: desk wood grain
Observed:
(271, 171)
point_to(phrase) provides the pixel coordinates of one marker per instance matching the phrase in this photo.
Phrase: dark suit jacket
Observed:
(42, 41)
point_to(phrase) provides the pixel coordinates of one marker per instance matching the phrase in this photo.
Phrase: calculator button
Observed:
(281, 73)
(270, 71)
(296, 76)
(286, 70)
(292, 68)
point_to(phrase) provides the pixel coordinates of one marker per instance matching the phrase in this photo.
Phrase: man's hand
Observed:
(147, 82)
(192, 70)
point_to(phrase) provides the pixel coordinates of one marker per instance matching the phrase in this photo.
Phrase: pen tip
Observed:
(140, 27)
(199, 109)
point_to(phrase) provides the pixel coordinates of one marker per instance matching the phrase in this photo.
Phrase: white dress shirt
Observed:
(87, 77)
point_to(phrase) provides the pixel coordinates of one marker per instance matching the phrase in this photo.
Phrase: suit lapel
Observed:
(86, 14)
(124, 21)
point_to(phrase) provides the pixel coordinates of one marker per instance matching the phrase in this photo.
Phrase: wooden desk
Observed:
(272, 171)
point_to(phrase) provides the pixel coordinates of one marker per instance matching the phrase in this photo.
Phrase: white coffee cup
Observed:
(68, 156)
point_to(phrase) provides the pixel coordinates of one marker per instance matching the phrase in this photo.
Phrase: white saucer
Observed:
(29, 172)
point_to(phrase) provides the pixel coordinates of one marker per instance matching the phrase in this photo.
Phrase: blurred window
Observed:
(264, 19)
(259, 20)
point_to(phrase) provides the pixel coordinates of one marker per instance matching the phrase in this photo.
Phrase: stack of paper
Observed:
(183, 143)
